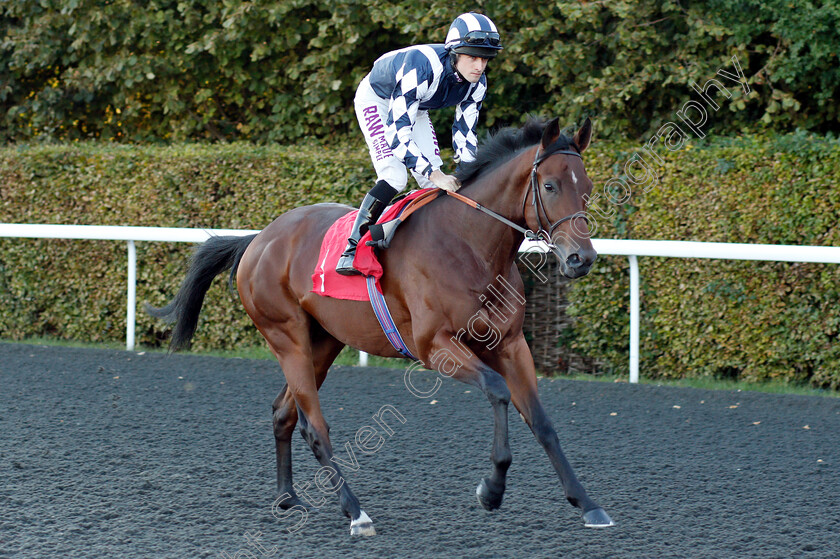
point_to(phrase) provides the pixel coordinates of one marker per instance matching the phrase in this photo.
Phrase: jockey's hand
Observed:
(444, 181)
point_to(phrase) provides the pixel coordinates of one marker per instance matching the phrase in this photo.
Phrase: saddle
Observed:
(365, 287)
(328, 283)
(382, 232)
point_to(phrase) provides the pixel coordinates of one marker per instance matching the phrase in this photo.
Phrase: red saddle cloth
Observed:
(325, 280)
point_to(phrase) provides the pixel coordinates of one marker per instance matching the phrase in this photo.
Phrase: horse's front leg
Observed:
(517, 365)
(460, 363)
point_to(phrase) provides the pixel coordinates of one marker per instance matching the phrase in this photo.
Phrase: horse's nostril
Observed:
(574, 261)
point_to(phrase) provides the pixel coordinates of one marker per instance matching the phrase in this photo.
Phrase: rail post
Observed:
(131, 305)
(634, 318)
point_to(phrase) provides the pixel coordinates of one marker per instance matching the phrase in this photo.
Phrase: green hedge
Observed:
(699, 317)
(749, 320)
(281, 70)
(76, 289)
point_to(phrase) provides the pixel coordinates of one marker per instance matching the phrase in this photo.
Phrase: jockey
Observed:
(392, 105)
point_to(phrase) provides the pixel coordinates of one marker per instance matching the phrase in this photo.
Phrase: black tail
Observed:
(210, 259)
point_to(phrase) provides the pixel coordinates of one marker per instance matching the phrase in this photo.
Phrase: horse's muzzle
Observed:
(577, 264)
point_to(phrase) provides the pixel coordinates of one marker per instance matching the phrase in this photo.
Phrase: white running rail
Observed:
(631, 249)
(117, 233)
(693, 249)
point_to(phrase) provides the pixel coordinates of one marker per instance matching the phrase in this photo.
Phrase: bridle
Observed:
(542, 234)
(539, 208)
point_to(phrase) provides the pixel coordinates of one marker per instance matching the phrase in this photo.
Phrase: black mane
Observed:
(502, 145)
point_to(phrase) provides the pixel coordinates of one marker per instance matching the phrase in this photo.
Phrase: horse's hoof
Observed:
(362, 526)
(287, 501)
(489, 498)
(597, 518)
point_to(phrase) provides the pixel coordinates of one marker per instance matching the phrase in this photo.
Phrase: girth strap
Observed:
(380, 309)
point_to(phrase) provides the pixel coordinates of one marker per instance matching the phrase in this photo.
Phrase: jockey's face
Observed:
(471, 67)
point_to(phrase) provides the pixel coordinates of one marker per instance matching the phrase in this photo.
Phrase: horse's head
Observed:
(556, 201)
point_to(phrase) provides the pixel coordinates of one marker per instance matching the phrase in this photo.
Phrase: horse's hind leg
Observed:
(297, 353)
(285, 418)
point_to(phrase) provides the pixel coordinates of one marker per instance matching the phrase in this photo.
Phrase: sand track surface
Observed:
(121, 455)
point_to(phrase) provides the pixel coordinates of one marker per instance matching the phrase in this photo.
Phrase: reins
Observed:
(536, 200)
(541, 234)
(424, 199)
(472, 203)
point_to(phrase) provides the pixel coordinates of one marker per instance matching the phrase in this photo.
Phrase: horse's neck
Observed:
(491, 240)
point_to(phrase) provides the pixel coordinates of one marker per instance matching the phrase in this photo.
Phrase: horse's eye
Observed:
(549, 186)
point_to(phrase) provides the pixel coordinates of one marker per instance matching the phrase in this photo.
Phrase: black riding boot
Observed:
(372, 206)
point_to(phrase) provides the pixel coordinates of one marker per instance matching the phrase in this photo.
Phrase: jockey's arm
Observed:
(464, 138)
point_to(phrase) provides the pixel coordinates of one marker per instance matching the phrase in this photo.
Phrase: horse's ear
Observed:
(584, 135)
(551, 133)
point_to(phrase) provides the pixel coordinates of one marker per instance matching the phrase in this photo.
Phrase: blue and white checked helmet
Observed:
(473, 34)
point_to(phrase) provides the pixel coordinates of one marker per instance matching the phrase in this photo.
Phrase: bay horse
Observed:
(437, 271)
